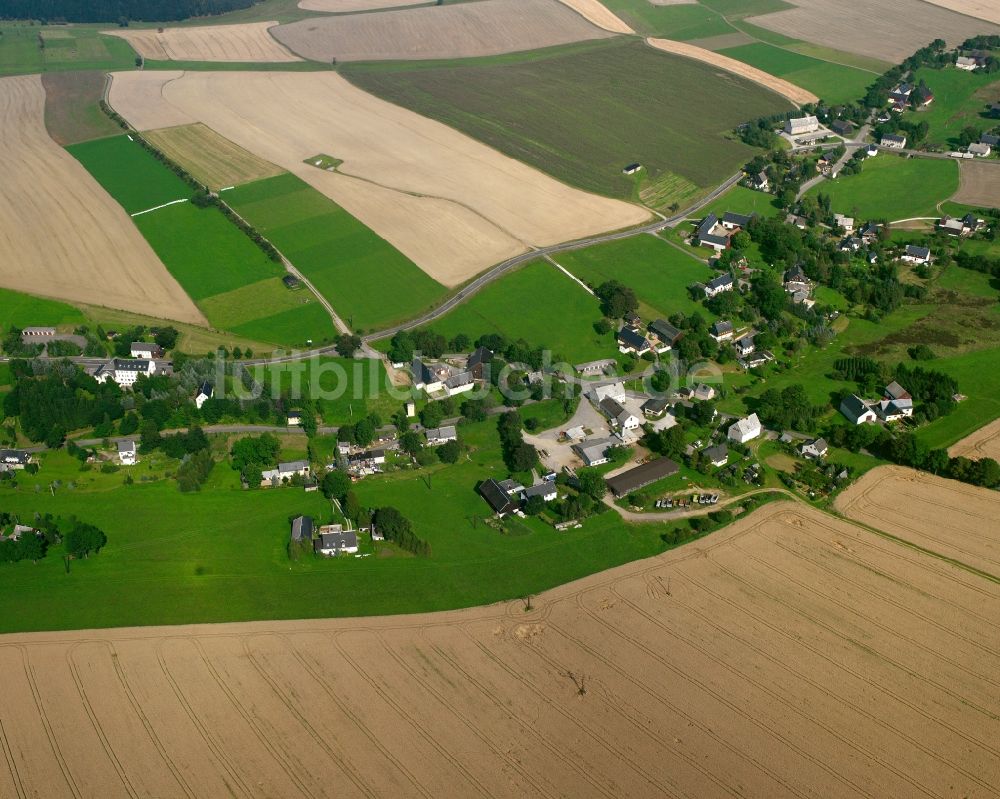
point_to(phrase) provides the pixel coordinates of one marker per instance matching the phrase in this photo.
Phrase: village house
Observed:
(546, 490)
(801, 125)
(851, 244)
(666, 335)
(735, 222)
(965, 226)
(631, 341)
(618, 415)
(916, 255)
(759, 181)
(12, 459)
(440, 378)
(744, 346)
(497, 497)
(845, 223)
(842, 127)
(437, 436)
(655, 407)
(814, 448)
(899, 95)
(479, 363)
(721, 331)
(718, 455)
(896, 403)
(700, 393)
(334, 540)
(711, 233)
(284, 472)
(871, 151)
(745, 429)
(856, 410)
(631, 169)
(869, 232)
(795, 280)
(125, 372)
(593, 451)
(892, 141)
(755, 359)
(992, 139)
(615, 391)
(979, 149)
(146, 351)
(719, 284)
(127, 453)
(967, 63)
(642, 476)
(203, 395)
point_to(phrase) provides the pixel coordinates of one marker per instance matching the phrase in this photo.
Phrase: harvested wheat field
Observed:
(953, 519)
(789, 91)
(61, 234)
(596, 12)
(982, 9)
(979, 184)
(984, 443)
(451, 204)
(248, 42)
(791, 655)
(465, 30)
(889, 30)
(350, 6)
(213, 160)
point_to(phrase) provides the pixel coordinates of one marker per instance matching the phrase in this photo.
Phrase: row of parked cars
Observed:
(684, 502)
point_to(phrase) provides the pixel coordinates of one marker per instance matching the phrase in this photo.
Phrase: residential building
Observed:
(719, 284)
(618, 415)
(593, 451)
(204, 394)
(899, 95)
(744, 346)
(655, 407)
(291, 282)
(333, 540)
(127, 453)
(546, 490)
(294, 418)
(497, 498)
(642, 476)
(302, 529)
(745, 429)
(992, 139)
(916, 255)
(285, 471)
(851, 244)
(755, 359)
(711, 234)
(146, 351)
(703, 393)
(795, 280)
(630, 340)
(11, 459)
(923, 96)
(871, 151)
(615, 391)
(666, 334)
(124, 372)
(869, 232)
(441, 435)
(800, 125)
(842, 127)
(717, 455)
(966, 63)
(856, 410)
(814, 448)
(721, 330)
(845, 223)
(980, 149)
(759, 181)
(440, 378)
(892, 141)
(896, 403)
(733, 222)
(479, 363)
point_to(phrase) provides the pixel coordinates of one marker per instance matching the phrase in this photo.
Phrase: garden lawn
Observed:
(130, 173)
(960, 99)
(80, 47)
(741, 200)
(220, 554)
(26, 310)
(658, 272)
(539, 304)
(367, 280)
(582, 114)
(893, 188)
(979, 380)
(831, 82)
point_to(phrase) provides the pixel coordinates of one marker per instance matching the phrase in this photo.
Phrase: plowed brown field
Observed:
(249, 42)
(984, 443)
(983, 9)
(949, 518)
(61, 234)
(980, 183)
(792, 655)
(463, 30)
(451, 204)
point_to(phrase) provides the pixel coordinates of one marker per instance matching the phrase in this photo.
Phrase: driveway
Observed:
(560, 454)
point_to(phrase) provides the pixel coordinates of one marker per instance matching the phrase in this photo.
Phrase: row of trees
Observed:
(116, 10)
(518, 455)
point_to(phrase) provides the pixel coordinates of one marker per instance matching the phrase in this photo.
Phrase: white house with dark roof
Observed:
(333, 540)
(546, 490)
(631, 341)
(891, 141)
(619, 416)
(718, 455)
(745, 345)
(896, 403)
(437, 436)
(721, 330)
(719, 284)
(285, 471)
(856, 410)
(12, 459)
(666, 335)
(124, 371)
(145, 350)
(734, 222)
(593, 451)
(204, 394)
(916, 255)
(712, 234)
(615, 391)
(127, 453)
(814, 448)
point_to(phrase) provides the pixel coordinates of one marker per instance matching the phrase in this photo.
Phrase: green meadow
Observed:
(367, 280)
(960, 100)
(685, 21)
(893, 188)
(27, 310)
(27, 48)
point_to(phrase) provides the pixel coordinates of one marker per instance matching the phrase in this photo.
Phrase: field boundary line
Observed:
(158, 207)
(570, 275)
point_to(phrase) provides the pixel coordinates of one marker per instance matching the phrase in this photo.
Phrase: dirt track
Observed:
(249, 42)
(464, 30)
(793, 655)
(451, 204)
(890, 30)
(795, 94)
(980, 184)
(984, 443)
(953, 519)
(61, 234)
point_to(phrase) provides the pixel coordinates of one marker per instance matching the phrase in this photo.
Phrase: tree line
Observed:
(120, 11)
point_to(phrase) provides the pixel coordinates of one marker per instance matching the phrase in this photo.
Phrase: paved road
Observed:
(851, 147)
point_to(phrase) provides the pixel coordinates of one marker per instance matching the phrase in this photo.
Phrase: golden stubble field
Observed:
(462, 30)
(983, 9)
(248, 42)
(596, 12)
(984, 443)
(889, 30)
(980, 183)
(61, 234)
(791, 655)
(450, 203)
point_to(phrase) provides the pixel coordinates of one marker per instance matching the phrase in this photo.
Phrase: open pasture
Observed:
(29, 48)
(960, 101)
(25, 310)
(735, 666)
(213, 160)
(64, 237)
(681, 21)
(889, 30)
(584, 114)
(954, 520)
(979, 184)
(249, 42)
(463, 30)
(415, 182)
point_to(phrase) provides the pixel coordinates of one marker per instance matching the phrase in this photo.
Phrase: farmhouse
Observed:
(899, 95)
(870, 232)
(806, 124)
(642, 476)
(11, 459)
(856, 410)
(127, 453)
(205, 392)
(145, 350)
(711, 234)
(719, 284)
(745, 345)
(721, 331)
(967, 63)
(497, 498)
(980, 149)
(845, 223)
(479, 363)
(615, 391)
(896, 403)
(717, 455)
(745, 429)
(893, 141)
(631, 169)
(125, 372)
(953, 226)
(666, 334)
(755, 359)
(284, 472)
(815, 448)
(440, 378)
(546, 490)
(441, 435)
(593, 451)
(795, 280)
(655, 407)
(630, 340)
(333, 540)
(851, 244)
(734, 222)
(916, 255)
(302, 529)
(618, 415)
